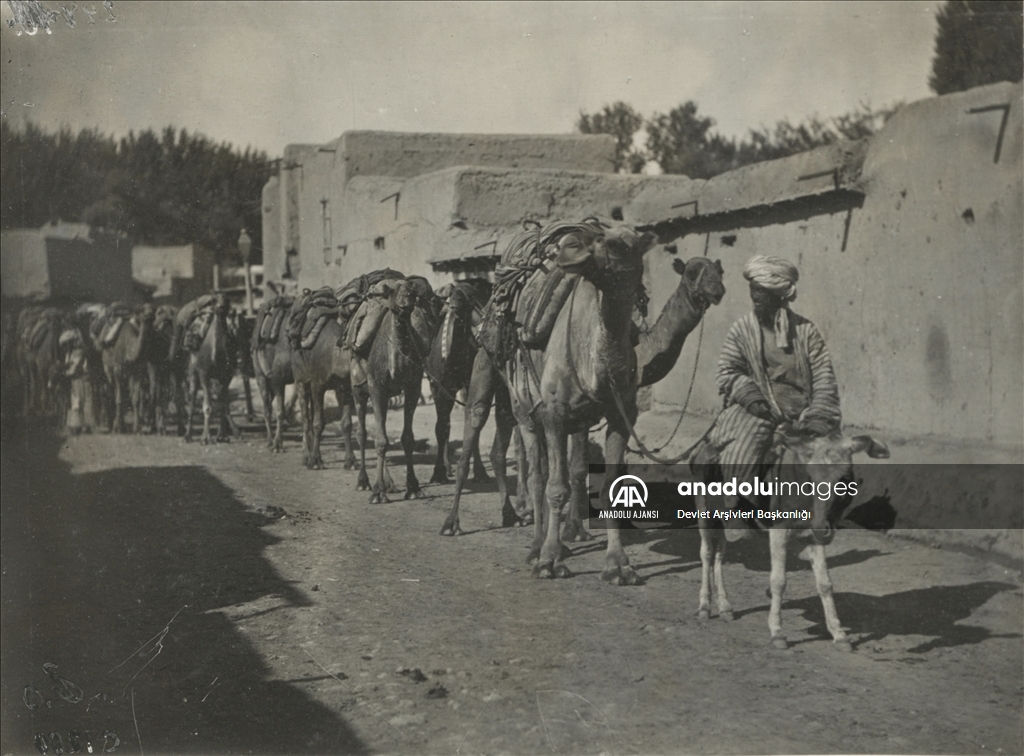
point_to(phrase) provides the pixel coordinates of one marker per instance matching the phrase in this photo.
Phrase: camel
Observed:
(124, 367)
(801, 459)
(450, 366)
(586, 372)
(163, 381)
(213, 363)
(39, 358)
(394, 365)
(323, 366)
(272, 366)
(700, 286)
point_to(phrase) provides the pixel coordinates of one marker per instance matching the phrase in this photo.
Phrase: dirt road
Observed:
(223, 599)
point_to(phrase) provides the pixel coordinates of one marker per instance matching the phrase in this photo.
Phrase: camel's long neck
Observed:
(135, 346)
(659, 348)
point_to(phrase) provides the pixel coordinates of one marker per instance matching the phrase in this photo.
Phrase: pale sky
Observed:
(266, 74)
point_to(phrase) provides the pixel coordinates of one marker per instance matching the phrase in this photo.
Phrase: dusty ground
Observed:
(162, 579)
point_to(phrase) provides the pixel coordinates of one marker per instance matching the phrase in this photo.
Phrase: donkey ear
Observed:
(718, 264)
(875, 449)
(678, 266)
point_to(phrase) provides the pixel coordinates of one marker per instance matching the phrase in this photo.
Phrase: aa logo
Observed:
(626, 492)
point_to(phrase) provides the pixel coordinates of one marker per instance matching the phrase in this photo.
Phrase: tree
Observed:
(168, 188)
(978, 42)
(622, 122)
(681, 141)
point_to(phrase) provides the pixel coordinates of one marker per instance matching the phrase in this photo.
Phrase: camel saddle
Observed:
(310, 314)
(270, 319)
(108, 326)
(534, 278)
(364, 324)
(197, 330)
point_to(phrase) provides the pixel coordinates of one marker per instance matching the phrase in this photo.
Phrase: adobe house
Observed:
(909, 243)
(66, 263)
(177, 274)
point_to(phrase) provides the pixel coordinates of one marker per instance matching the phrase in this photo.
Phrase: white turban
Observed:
(774, 274)
(778, 276)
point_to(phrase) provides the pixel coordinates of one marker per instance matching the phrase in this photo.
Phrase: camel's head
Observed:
(612, 258)
(703, 279)
(403, 296)
(825, 461)
(163, 320)
(146, 314)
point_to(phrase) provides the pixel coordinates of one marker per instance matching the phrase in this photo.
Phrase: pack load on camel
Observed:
(107, 326)
(270, 319)
(534, 279)
(374, 293)
(310, 313)
(206, 310)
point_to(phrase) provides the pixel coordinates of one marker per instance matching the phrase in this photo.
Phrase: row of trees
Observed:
(976, 42)
(682, 140)
(174, 187)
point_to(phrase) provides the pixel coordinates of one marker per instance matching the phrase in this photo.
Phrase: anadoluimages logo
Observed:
(627, 493)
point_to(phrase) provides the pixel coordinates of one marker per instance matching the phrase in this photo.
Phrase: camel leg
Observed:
(190, 403)
(250, 413)
(120, 400)
(824, 583)
(442, 430)
(380, 444)
(777, 538)
(556, 494)
(363, 482)
(278, 443)
(616, 564)
(478, 407)
(266, 395)
(533, 449)
(204, 381)
(316, 400)
(135, 394)
(505, 425)
(344, 399)
(412, 486)
(578, 501)
(302, 400)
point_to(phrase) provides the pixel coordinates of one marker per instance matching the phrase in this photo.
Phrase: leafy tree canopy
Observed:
(978, 42)
(174, 187)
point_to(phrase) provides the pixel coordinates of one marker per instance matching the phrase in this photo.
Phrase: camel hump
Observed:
(270, 319)
(309, 315)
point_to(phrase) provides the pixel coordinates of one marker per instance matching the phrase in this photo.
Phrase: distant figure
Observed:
(774, 368)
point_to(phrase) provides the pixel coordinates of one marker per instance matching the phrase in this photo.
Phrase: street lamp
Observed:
(245, 247)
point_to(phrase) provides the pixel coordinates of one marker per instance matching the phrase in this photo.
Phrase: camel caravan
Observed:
(556, 346)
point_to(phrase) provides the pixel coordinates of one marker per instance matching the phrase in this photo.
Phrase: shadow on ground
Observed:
(122, 579)
(936, 613)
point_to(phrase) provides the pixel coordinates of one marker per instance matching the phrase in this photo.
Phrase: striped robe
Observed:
(742, 438)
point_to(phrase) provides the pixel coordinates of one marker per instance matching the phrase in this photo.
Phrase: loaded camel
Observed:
(124, 366)
(272, 363)
(318, 363)
(391, 364)
(212, 360)
(450, 365)
(700, 287)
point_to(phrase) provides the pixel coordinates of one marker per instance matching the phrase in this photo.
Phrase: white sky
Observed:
(268, 74)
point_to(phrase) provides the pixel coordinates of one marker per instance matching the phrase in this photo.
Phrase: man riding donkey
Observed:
(774, 370)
